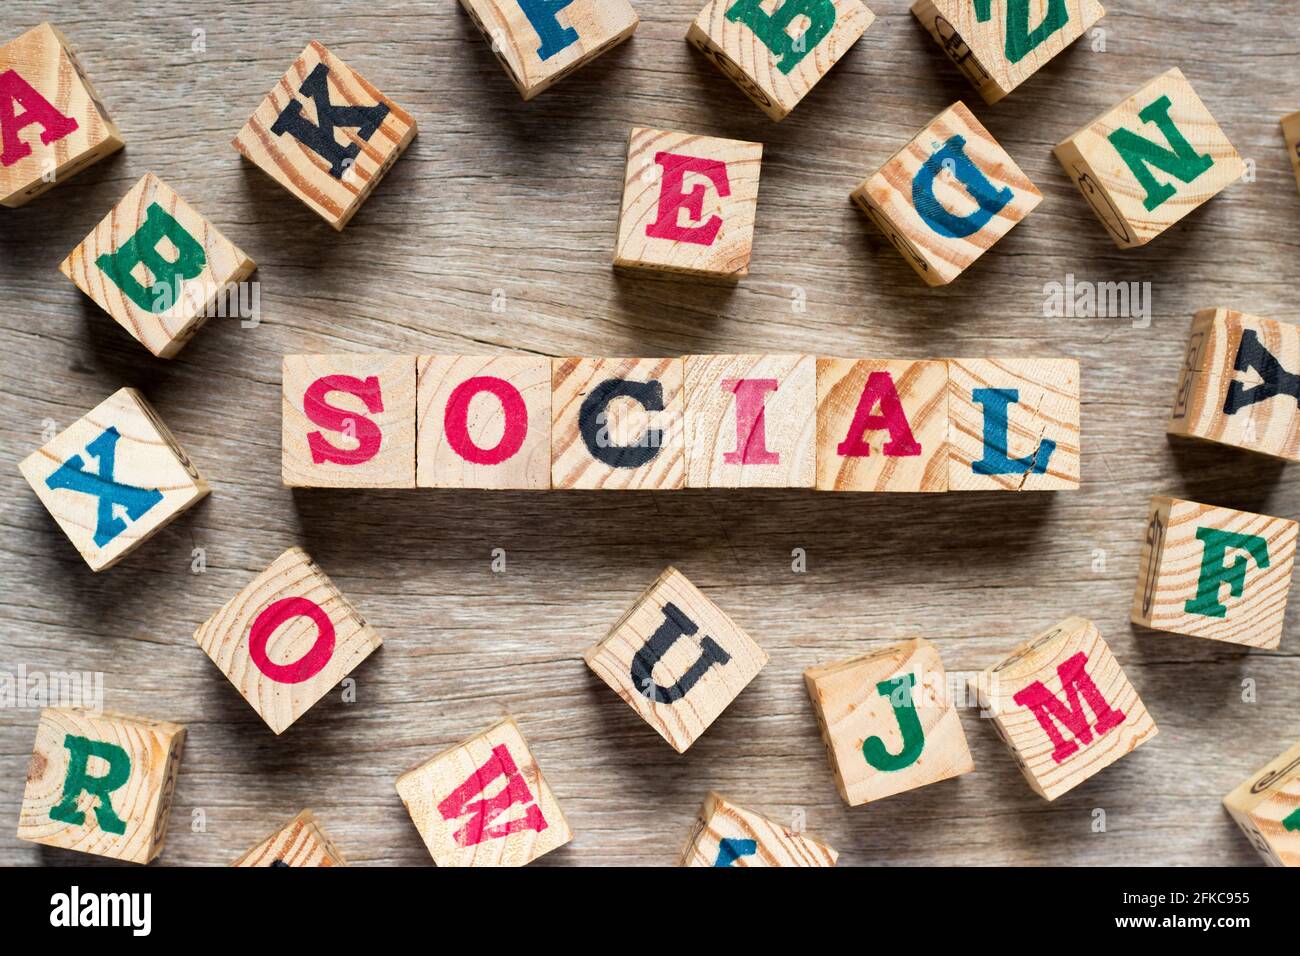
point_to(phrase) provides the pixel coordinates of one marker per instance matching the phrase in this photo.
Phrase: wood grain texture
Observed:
(300, 842)
(1266, 806)
(1291, 136)
(752, 840)
(522, 199)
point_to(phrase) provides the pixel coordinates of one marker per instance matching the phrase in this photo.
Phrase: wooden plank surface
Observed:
(519, 201)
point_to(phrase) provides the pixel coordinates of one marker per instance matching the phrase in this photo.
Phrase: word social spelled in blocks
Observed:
(287, 639)
(1151, 160)
(1240, 384)
(52, 123)
(888, 722)
(1215, 572)
(1291, 133)
(101, 783)
(447, 798)
(947, 196)
(677, 659)
(994, 43)
(689, 204)
(326, 135)
(539, 42)
(729, 835)
(156, 266)
(300, 842)
(114, 478)
(1267, 808)
(348, 421)
(778, 51)
(1064, 682)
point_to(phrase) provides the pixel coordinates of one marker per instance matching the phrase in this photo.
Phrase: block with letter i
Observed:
(1064, 707)
(287, 639)
(998, 44)
(539, 42)
(778, 50)
(947, 196)
(1267, 808)
(689, 204)
(101, 783)
(1151, 160)
(1240, 384)
(484, 802)
(52, 122)
(677, 659)
(185, 262)
(888, 721)
(1215, 572)
(727, 835)
(114, 478)
(325, 134)
(301, 842)
(348, 421)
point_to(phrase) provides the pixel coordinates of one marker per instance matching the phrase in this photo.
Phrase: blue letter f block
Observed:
(73, 476)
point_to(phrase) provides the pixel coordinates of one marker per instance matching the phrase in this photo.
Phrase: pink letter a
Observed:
(902, 444)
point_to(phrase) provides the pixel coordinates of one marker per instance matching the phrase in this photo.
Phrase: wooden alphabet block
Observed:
(751, 421)
(1240, 384)
(300, 842)
(326, 135)
(777, 52)
(882, 425)
(52, 122)
(689, 204)
(729, 835)
(1291, 133)
(542, 41)
(1151, 160)
(349, 421)
(186, 265)
(101, 783)
(1063, 706)
(484, 422)
(888, 721)
(1215, 572)
(287, 639)
(677, 659)
(114, 478)
(947, 196)
(446, 797)
(998, 44)
(1013, 424)
(617, 423)
(1267, 808)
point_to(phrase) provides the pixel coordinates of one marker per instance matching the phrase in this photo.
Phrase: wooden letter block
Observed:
(185, 263)
(484, 422)
(728, 835)
(688, 204)
(1240, 384)
(447, 798)
(888, 721)
(882, 425)
(617, 423)
(349, 421)
(300, 842)
(778, 51)
(101, 783)
(677, 659)
(542, 41)
(1291, 133)
(1063, 706)
(998, 44)
(114, 478)
(947, 196)
(1150, 161)
(1214, 572)
(287, 639)
(326, 135)
(1267, 808)
(1013, 424)
(751, 421)
(52, 123)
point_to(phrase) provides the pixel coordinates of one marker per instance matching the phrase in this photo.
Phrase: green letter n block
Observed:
(1182, 161)
(79, 781)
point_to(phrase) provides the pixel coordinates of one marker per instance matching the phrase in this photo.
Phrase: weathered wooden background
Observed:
(496, 194)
